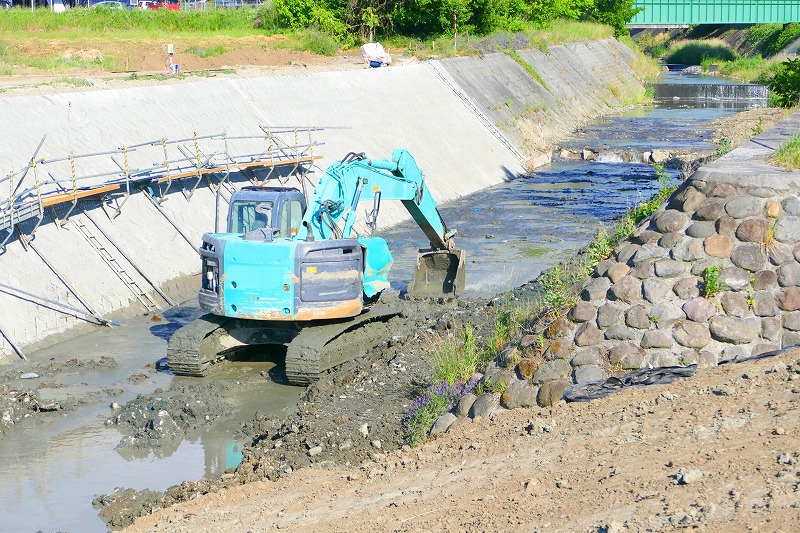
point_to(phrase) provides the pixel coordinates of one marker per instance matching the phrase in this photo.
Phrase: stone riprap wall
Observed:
(648, 304)
(418, 107)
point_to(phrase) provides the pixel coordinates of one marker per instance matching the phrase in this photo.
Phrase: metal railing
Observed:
(153, 165)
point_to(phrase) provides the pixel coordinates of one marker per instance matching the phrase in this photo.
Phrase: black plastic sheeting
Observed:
(593, 390)
(585, 392)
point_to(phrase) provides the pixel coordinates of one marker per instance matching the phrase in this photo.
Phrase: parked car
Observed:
(109, 4)
(171, 5)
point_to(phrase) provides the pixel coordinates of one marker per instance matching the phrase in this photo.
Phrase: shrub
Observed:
(785, 83)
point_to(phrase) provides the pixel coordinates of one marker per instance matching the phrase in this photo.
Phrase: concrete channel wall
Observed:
(470, 123)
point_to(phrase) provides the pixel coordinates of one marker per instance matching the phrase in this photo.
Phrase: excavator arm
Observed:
(332, 213)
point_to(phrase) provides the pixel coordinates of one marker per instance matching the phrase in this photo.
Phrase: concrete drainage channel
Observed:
(511, 232)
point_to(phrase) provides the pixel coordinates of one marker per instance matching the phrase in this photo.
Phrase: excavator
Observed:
(297, 274)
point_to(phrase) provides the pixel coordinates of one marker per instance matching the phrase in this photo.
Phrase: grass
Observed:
(695, 52)
(559, 32)
(74, 82)
(528, 68)
(123, 24)
(206, 51)
(788, 155)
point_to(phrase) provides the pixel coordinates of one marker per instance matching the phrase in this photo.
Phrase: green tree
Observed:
(425, 18)
(615, 13)
(309, 14)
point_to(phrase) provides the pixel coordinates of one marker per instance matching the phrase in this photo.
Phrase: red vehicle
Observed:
(171, 5)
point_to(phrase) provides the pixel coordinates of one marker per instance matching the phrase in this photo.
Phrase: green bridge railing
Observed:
(686, 12)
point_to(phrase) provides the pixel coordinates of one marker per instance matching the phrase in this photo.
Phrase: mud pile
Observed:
(21, 389)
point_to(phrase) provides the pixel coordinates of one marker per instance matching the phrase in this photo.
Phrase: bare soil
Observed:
(721, 449)
(142, 62)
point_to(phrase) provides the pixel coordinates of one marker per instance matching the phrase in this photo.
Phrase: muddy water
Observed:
(515, 230)
(49, 473)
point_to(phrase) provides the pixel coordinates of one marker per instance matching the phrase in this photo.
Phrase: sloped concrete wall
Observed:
(373, 110)
(581, 81)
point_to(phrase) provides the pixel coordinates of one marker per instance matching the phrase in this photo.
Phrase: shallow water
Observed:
(49, 473)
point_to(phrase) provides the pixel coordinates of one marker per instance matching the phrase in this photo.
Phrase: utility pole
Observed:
(455, 31)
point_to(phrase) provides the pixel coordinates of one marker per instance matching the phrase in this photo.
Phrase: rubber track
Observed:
(185, 346)
(305, 354)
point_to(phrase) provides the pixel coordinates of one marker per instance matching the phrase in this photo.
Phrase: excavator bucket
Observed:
(439, 273)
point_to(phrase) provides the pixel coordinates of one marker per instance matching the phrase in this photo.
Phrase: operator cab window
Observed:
(248, 215)
(291, 217)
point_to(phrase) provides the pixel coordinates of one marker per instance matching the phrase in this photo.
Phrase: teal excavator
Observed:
(298, 275)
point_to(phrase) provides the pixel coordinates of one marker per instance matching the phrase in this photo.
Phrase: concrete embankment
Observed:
(713, 275)
(470, 123)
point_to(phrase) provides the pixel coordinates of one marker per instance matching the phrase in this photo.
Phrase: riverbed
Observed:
(52, 468)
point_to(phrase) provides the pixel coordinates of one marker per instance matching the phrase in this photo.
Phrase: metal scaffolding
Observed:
(152, 167)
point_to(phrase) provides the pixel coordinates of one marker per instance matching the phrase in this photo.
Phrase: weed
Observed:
(712, 284)
(724, 146)
(75, 82)
(317, 42)
(455, 361)
(528, 68)
(425, 409)
(751, 299)
(490, 386)
(555, 285)
(615, 91)
(508, 102)
(758, 129)
(206, 51)
(788, 155)
(654, 319)
(600, 248)
(769, 236)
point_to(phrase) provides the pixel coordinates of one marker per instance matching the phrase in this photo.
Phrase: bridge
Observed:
(664, 13)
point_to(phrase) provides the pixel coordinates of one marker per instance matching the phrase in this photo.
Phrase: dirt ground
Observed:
(137, 63)
(721, 449)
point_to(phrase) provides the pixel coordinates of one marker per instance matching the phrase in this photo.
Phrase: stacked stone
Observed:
(645, 306)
